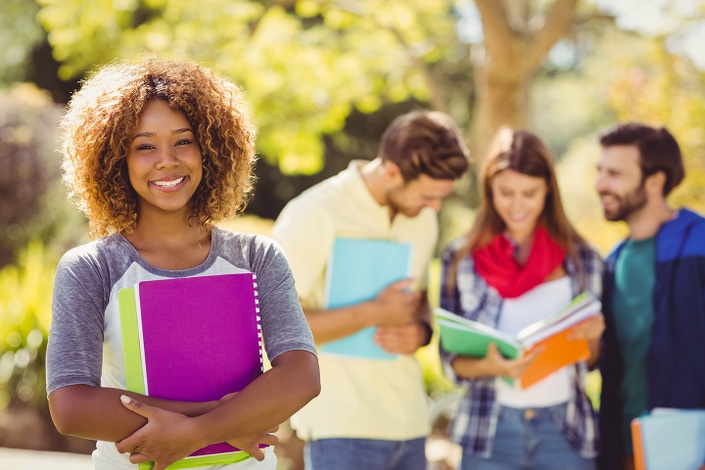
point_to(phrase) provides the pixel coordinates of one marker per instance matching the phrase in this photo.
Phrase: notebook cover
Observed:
(457, 338)
(637, 445)
(670, 440)
(199, 338)
(580, 308)
(358, 270)
(558, 351)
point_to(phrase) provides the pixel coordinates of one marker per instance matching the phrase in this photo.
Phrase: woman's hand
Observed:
(511, 368)
(250, 444)
(590, 329)
(166, 438)
(493, 364)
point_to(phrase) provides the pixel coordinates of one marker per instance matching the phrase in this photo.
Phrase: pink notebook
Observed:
(193, 339)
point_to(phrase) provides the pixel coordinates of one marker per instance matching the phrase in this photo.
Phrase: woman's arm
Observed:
(268, 401)
(96, 413)
(493, 364)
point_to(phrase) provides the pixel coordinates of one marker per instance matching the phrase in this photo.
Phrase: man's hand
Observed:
(397, 305)
(401, 339)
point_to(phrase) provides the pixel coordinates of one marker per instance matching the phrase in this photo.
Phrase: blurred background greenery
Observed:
(323, 79)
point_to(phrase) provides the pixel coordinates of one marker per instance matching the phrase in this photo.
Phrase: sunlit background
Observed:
(323, 79)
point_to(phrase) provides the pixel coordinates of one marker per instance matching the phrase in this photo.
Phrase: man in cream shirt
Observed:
(373, 414)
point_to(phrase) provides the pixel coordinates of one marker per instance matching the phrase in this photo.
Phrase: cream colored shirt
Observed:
(360, 398)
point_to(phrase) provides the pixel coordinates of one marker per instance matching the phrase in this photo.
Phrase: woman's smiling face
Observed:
(519, 200)
(164, 160)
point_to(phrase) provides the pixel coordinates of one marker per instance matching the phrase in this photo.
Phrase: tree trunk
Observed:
(514, 52)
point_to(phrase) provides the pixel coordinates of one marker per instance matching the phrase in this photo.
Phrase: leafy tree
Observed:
(515, 49)
(19, 32)
(306, 64)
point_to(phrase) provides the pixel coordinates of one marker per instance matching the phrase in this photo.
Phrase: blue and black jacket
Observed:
(676, 356)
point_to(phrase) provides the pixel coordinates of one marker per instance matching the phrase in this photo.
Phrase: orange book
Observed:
(669, 439)
(638, 445)
(558, 351)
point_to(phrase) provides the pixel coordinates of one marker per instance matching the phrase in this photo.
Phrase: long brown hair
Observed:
(524, 153)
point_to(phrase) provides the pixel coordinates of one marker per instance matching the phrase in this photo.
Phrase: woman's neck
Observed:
(523, 241)
(171, 244)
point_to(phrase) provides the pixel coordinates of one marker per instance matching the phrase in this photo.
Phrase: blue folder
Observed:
(669, 440)
(358, 270)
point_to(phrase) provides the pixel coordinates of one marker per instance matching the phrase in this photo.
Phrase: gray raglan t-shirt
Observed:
(85, 342)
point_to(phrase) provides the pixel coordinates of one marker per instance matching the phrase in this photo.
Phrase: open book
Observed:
(358, 270)
(668, 439)
(193, 339)
(459, 335)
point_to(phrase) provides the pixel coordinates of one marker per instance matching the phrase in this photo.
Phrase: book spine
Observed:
(259, 322)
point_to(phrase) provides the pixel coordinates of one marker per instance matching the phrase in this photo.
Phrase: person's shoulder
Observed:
(331, 190)
(687, 223)
(454, 247)
(244, 243)
(613, 252)
(587, 250)
(693, 218)
(100, 259)
(95, 251)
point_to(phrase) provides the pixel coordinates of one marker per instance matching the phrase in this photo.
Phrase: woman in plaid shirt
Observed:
(521, 261)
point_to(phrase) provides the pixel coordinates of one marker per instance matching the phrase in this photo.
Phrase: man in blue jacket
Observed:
(654, 294)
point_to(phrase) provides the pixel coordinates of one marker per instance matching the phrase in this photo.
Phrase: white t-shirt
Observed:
(521, 312)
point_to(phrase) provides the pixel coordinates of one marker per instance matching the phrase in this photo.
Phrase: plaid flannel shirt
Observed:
(474, 424)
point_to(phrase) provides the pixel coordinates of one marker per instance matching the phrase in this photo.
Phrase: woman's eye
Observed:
(144, 147)
(184, 142)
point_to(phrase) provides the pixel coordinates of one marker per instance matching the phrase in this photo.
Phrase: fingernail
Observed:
(125, 399)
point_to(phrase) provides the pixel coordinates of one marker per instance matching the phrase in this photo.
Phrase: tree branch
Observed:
(495, 26)
(437, 101)
(558, 22)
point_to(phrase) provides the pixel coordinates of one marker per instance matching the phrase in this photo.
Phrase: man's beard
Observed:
(627, 204)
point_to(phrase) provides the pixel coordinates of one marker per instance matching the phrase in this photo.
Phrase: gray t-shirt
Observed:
(85, 340)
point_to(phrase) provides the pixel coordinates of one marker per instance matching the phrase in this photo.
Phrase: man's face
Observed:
(411, 197)
(619, 182)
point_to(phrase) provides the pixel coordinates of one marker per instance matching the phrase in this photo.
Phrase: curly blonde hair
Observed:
(102, 117)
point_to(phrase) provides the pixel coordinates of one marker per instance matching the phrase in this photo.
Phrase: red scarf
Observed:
(496, 264)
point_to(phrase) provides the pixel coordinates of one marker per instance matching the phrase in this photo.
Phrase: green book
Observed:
(470, 338)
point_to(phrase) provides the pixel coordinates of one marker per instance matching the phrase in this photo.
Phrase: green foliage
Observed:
(622, 77)
(25, 315)
(19, 33)
(304, 65)
(649, 84)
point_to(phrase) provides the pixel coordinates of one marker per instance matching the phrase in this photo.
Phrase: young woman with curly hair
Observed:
(155, 153)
